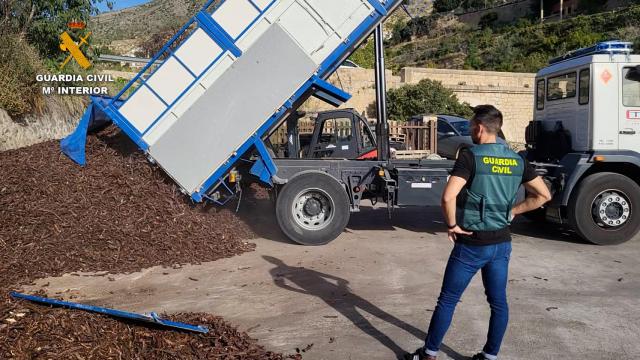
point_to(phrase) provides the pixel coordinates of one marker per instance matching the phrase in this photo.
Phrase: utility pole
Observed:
(561, 9)
(541, 11)
(382, 127)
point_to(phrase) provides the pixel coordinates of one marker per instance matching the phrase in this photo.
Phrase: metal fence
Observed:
(418, 135)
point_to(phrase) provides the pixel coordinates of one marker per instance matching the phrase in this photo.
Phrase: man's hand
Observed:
(451, 191)
(457, 230)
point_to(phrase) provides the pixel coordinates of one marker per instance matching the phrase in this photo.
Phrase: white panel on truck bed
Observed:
(262, 4)
(304, 27)
(161, 126)
(142, 108)
(198, 52)
(221, 120)
(253, 34)
(221, 66)
(278, 9)
(355, 19)
(320, 26)
(343, 31)
(191, 96)
(170, 80)
(235, 16)
(335, 12)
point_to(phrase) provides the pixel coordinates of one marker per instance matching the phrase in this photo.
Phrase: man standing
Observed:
(489, 175)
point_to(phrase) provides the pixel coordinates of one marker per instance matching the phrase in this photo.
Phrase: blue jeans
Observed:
(464, 263)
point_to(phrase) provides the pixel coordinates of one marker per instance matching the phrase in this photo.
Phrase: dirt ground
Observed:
(117, 215)
(370, 293)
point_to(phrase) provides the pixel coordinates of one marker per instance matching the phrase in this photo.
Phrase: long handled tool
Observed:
(148, 318)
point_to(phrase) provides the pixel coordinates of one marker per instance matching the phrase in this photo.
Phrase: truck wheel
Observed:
(604, 209)
(312, 209)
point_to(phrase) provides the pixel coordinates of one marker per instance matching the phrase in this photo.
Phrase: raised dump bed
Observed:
(227, 78)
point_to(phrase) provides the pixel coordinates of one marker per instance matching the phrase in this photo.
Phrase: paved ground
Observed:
(370, 294)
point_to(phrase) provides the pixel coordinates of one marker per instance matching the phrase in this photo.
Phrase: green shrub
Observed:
(425, 97)
(523, 46)
(446, 5)
(365, 56)
(19, 64)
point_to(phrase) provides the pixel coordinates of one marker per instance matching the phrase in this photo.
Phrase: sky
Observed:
(121, 4)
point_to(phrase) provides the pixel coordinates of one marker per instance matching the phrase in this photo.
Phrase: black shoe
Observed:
(418, 355)
(478, 356)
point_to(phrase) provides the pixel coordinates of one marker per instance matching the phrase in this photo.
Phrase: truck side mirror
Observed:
(634, 74)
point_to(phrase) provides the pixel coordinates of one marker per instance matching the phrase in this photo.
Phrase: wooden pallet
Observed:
(411, 154)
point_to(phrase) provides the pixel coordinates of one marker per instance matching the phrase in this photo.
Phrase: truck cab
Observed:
(337, 134)
(585, 140)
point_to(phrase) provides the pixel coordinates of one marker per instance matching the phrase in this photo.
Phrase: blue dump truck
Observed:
(204, 107)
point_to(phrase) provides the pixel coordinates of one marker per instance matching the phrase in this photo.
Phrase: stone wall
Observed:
(59, 117)
(512, 93)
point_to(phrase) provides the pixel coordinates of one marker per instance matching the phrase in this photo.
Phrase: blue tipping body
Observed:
(329, 93)
(379, 7)
(265, 167)
(148, 318)
(326, 69)
(208, 25)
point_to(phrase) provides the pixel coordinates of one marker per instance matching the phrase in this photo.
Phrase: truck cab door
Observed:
(334, 136)
(367, 148)
(629, 105)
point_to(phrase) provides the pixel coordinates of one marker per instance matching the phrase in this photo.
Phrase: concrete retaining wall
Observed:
(59, 118)
(512, 93)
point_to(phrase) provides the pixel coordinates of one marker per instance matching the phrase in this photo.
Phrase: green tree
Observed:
(42, 21)
(19, 65)
(425, 97)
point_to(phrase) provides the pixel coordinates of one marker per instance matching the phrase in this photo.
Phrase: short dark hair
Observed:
(488, 116)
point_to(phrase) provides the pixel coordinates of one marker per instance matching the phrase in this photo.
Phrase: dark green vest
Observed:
(493, 189)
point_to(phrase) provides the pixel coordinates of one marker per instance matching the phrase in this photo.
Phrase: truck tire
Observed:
(312, 209)
(605, 208)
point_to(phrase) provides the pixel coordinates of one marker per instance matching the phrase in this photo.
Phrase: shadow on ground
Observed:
(257, 210)
(335, 292)
(542, 230)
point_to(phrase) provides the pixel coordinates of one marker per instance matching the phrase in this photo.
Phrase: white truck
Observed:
(585, 141)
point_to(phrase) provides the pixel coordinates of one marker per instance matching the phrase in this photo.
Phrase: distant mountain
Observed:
(156, 16)
(140, 22)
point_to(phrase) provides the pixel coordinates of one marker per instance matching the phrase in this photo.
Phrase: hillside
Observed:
(144, 28)
(140, 22)
(441, 41)
(438, 40)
